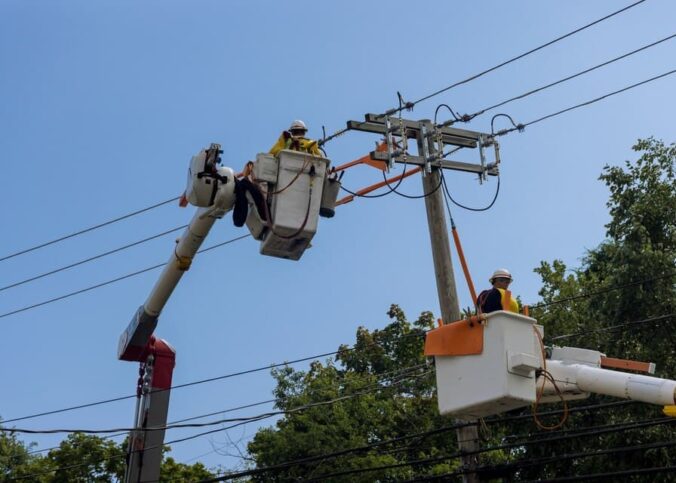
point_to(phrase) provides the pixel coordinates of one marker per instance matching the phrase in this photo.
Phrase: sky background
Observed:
(102, 105)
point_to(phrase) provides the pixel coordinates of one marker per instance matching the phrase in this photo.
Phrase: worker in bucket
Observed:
(294, 139)
(499, 297)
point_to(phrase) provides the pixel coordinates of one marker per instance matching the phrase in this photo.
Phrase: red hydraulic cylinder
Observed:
(154, 388)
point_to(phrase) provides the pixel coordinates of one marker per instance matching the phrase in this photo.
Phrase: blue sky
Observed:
(103, 104)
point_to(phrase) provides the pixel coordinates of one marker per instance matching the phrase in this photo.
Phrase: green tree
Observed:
(82, 458)
(387, 388)
(633, 277)
(16, 459)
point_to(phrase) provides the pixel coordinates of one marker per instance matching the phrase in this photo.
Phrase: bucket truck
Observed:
(291, 187)
(497, 362)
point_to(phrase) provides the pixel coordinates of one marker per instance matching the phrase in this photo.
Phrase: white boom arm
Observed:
(213, 188)
(575, 375)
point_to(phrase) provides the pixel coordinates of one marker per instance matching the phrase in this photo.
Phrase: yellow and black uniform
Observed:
(302, 144)
(497, 299)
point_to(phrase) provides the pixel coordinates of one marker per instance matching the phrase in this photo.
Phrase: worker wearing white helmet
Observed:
(499, 297)
(294, 139)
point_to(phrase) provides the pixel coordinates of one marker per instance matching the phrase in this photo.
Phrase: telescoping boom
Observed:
(212, 188)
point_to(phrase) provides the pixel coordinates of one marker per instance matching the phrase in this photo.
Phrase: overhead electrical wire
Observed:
(108, 282)
(271, 366)
(414, 197)
(592, 432)
(520, 127)
(485, 208)
(617, 327)
(513, 59)
(526, 440)
(377, 444)
(215, 422)
(237, 421)
(518, 464)
(605, 428)
(612, 475)
(468, 117)
(602, 291)
(91, 228)
(410, 105)
(198, 382)
(222, 411)
(90, 259)
(516, 127)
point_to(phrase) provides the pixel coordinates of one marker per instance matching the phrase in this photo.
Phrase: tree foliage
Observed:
(630, 315)
(81, 458)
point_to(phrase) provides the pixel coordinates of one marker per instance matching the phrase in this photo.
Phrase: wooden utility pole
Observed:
(431, 141)
(468, 436)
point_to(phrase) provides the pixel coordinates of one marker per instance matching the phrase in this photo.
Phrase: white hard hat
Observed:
(501, 273)
(297, 124)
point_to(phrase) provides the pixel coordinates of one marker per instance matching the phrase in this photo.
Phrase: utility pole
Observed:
(431, 141)
(448, 296)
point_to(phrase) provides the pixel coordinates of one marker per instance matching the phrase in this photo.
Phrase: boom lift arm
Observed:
(207, 182)
(291, 190)
(212, 188)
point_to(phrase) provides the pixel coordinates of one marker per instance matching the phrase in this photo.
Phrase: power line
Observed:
(103, 284)
(611, 475)
(613, 328)
(513, 59)
(239, 422)
(412, 197)
(86, 230)
(95, 257)
(325, 354)
(520, 127)
(501, 468)
(601, 430)
(222, 411)
(602, 291)
(468, 117)
(242, 421)
(317, 356)
(209, 423)
(441, 430)
(410, 105)
(448, 196)
(202, 381)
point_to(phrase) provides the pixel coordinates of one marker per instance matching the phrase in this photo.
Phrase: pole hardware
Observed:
(434, 140)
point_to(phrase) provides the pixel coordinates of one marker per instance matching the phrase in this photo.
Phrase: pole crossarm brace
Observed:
(375, 123)
(439, 135)
(441, 163)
